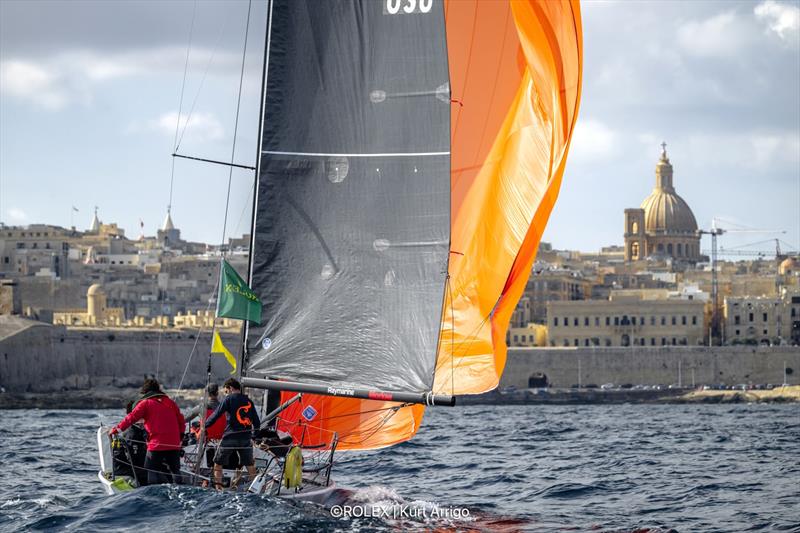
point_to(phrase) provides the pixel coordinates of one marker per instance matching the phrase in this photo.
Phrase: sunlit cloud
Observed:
(593, 140)
(201, 126)
(73, 76)
(722, 35)
(32, 83)
(783, 19)
(17, 215)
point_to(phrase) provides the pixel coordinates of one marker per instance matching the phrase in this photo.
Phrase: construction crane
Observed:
(739, 251)
(716, 232)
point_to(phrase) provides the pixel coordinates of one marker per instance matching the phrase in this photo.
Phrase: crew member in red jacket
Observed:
(164, 424)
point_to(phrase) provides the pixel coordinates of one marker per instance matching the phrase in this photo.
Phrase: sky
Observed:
(90, 93)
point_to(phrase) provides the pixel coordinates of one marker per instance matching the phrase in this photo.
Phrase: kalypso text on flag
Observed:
(235, 298)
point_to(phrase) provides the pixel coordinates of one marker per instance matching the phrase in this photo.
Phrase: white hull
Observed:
(311, 491)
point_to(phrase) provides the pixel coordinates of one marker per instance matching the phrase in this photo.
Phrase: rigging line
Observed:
(180, 101)
(373, 433)
(202, 81)
(452, 338)
(358, 413)
(199, 334)
(472, 335)
(236, 126)
(244, 209)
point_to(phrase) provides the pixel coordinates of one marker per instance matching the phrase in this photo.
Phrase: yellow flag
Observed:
(218, 347)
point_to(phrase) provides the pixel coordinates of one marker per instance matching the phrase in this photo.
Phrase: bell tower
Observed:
(634, 235)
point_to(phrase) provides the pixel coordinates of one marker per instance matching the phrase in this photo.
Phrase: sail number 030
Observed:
(393, 7)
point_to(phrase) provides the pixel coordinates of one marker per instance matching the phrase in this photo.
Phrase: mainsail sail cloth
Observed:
(373, 111)
(352, 233)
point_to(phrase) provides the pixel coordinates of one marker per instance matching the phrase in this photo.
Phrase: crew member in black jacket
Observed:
(242, 423)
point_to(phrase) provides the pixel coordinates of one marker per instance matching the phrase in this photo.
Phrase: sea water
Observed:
(474, 468)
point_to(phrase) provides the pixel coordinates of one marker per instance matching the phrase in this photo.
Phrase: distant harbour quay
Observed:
(658, 395)
(83, 364)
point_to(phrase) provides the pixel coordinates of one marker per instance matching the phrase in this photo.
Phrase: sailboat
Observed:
(410, 153)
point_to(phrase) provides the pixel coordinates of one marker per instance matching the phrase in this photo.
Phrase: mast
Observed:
(259, 141)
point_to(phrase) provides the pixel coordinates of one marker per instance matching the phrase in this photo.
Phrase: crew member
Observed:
(214, 432)
(130, 452)
(242, 422)
(164, 424)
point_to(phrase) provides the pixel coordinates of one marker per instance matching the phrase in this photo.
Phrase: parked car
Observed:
(607, 386)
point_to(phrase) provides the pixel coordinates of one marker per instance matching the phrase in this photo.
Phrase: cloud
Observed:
(16, 214)
(755, 150)
(202, 127)
(593, 140)
(722, 35)
(781, 19)
(72, 76)
(31, 82)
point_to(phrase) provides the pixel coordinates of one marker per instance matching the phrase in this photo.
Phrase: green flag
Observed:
(235, 298)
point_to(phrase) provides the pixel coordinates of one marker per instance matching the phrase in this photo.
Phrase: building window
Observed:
(586, 342)
(674, 320)
(608, 321)
(694, 320)
(683, 320)
(680, 249)
(751, 317)
(737, 332)
(597, 319)
(575, 322)
(663, 321)
(586, 322)
(765, 317)
(663, 341)
(669, 248)
(633, 320)
(765, 332)
(674, 342)
(616, 321)
(652, 341)
(566, 321)
(736, 320)
(576, 342)
(652, 321)
(555, 321)
(20, 246)
(7, 259)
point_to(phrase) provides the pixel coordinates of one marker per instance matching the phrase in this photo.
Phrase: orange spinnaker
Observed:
(515, 80)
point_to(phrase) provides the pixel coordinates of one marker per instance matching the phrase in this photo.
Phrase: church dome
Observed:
(667, 213)
(788, 266)
(664, 211)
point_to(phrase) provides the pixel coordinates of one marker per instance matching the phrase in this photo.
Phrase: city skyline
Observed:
(89, 102)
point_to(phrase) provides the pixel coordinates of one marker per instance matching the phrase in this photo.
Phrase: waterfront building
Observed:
(553, 284)
(633, 318)
(768, 320)
(97, 312)
(26, 250)
(528, 335)
(664, 225)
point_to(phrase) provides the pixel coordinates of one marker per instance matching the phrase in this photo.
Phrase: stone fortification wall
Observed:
(37, 357)
(729, 365)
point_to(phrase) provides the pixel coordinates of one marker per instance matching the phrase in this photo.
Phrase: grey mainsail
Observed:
(351, 228)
